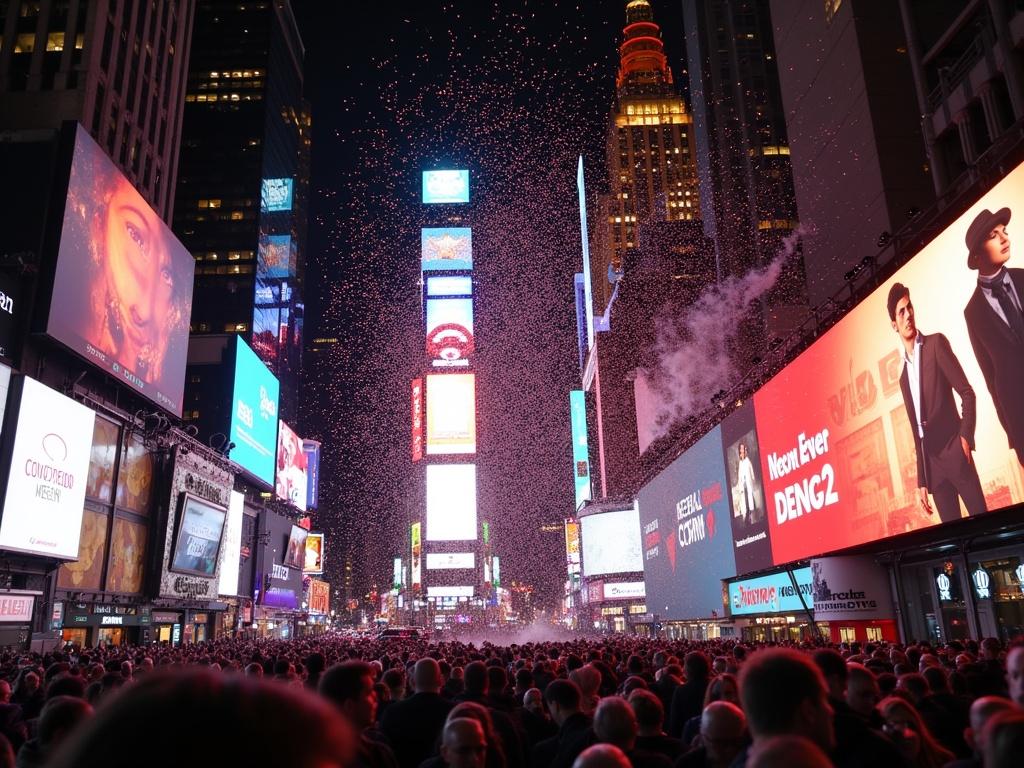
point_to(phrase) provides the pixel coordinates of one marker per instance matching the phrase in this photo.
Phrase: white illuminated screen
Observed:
(437, 560)
(449, 591)
(624, 590)
(611, 542)
(451, 502)
(230, 553)
(447, 186)
(454, 285)
(451, 413)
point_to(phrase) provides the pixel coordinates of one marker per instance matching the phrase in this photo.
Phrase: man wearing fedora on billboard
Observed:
(995, 322)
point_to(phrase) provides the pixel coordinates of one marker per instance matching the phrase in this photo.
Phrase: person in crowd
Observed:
(863, 694)
(27, 693)
(412, 725)
(723, 736)
(1015, 674)
(495, 751)
(788, 752)
(602, 756)
(533, 718)
(688, 698)
(909, 732)
(1004, 740)
(57, 720)
(588, 679)
(721, 688)
(615, 723)
(349, 686)
(667, 679)
(982, 710)
(650, 719)
(563, 700)
(477, 691)
(463, 744)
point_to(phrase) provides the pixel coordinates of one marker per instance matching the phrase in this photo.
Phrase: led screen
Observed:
(687, 540)
(774, 593)
(276, 195)
(253, 427)
(450, 331)
(451, 413)
(448, 186)
(291, 481)
(449, 591)
(197, 545)
(745, 491)
(122, 292)
(572, 543)
(49, 464)
(231, 551)
(449, 285)
(314, 564)
(417, 419)
(277, 256)
(444, 560)
(312, 450)
(295, 549)
(580, 450)
(451, 502)
(443, 248)
(611, 542)
(416, 553)
(624, 590)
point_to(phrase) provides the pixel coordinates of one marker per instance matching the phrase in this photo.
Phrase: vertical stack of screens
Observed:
(444, 398)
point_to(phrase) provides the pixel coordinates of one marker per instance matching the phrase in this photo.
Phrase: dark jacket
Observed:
(661, 745)
(545, 753)
(412, 725)
(687, 702)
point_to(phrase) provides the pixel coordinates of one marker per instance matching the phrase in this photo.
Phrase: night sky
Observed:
(515, 90)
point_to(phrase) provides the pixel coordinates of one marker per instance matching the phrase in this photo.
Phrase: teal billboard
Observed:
(254, 415)
(774, 593)
(580, 449)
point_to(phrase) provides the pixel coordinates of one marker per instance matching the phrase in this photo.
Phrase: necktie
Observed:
(1013, 315)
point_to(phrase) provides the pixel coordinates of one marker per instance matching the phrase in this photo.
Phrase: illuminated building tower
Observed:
(120, 72)
(650, 146)
(243, 185)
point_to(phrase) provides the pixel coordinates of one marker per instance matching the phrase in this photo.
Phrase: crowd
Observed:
(619, 702)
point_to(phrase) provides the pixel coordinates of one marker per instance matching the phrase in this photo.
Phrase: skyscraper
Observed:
(243, 184)
(119, 71)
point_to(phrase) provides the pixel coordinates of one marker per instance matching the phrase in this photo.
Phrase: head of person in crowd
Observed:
(588, 679)
(394, 679)
(426, 676)
(497, 680)
(615, 723)
(649, 711)
(914, 685)
(5, 691)
(833, 669)
(673, 671)
(1015, 674)
(463, 743)
(1004, 740)
(784, 693)
(475, 678)
(983, 709)
(271, 724)
(862, 691)
(254, 670)
(787, 752)
(632, 683)
(696, 667)
(495, 753)
(724, 687)
(523, 681)
(563, 700)
(905, 727)
(720, 665)
(723, 731)
(349, 686)
(602, 756)
(66, 685)
(533, 701)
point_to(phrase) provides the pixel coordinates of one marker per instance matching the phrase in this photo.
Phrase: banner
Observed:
(850, 588)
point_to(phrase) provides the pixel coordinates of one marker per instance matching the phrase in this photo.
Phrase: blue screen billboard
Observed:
(253, 427)
(687, 540)
(277, 256)
(444, 248)
(312, 450)
(774, 593)
(580, 448)
(448, 186)
(277, 195)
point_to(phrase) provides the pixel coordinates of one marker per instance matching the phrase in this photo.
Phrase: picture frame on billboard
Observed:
(295, 548)
(198, 536)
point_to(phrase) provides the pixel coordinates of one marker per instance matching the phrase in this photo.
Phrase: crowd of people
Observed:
(619, 702)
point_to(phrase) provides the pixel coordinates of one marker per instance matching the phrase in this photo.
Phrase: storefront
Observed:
(101, 624)
(16, 609)
(852, 600)
(776, 607)
(166, 627)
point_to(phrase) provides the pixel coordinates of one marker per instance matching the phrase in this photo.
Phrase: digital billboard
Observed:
(314, 564)
(253, 427)
(276, 195)
(448, 560)
(580, 449)
(295, 549)
(230, 556)
(449, 592)
(687, 540)
(197, 544)
(588, 298)
(611, 542)
(449, 331)
(122, 291)
(446, 186)
(277, 256)
(443, 248)
(417, 419)
(291, 481)
(745, 491)
(449, 285)
(46, 483)
(572, 543)
(774, 593)
(451, 413)
(416, 554)
(312, 450)
(624, 590)
(451, 502)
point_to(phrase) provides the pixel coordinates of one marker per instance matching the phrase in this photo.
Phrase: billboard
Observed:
(449, 285)
(197, 544)
(447, 560)
(46, 481)
(451, 502)
(277, 257)
(850, 589)
(253, 427)
(449, 331)
(312, 450)
(588, 298)
(319, 596)
(580, 449)
(624, 590)
(291, 481)
(748, 505)
(446, 186)
(396, 577)
(443, 248)
(417, 419)
(416, 554)
(277, 195)
(451, 413)
(122, 291)
(773, 593)
(231, 552)
(449, 592)
(314, 564)
(572, 543)
(611, 542)
(687, 541)
(295, 550)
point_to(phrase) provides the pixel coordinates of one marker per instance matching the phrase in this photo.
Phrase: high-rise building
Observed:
(243, 184)
(117, 68)
(650, 148)
(747, 200)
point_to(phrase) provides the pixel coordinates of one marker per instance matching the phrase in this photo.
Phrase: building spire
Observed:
(642, 61)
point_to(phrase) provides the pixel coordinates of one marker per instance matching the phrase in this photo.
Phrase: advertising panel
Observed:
(580, 449)
(581, 191)
(42, 513)
(231, 552)
(416, 555)
(849, 589)
(445, 560)
(611, 542)
(253, 427)
(295, 550)
(451, 413)
(444, 248)
(624, 590)
(291, 481)
(135, 480)
(449, 331)
(446, 186)
(197, 545)
(496, 572)
(449, 591)
(396, 574)
(127, 556)
(87, 571)
(276, 195)
(774, 593)
(106, 437)
(277, 256)
(687, 541)
(10, 303)
(319, 597)
(122, 292)
(746, 491)
(417, 419)
(451, 502)
(314, 564)
(312, 450)
(16, 608)
(449, 285)
(572, 542)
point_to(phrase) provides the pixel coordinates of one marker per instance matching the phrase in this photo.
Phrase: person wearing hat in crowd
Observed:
(943, 440)
(995, 321)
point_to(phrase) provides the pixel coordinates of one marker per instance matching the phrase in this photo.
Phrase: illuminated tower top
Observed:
(643, 67)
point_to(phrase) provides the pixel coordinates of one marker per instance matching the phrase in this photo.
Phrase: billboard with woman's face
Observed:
(122, 292)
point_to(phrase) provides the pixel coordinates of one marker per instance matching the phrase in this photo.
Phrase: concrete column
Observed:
(967, 143)
(993, 121)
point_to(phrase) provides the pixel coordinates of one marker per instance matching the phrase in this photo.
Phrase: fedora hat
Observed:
(983, 223)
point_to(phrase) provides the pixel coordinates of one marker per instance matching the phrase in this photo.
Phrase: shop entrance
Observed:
(76, 636)
(110, 636)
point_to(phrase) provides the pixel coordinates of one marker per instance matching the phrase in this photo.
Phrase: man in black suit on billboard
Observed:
(995, 322)
(943, 440)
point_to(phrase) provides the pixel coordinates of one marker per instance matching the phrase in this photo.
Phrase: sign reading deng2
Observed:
(254, 414)
(446, 186)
